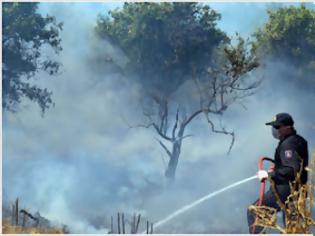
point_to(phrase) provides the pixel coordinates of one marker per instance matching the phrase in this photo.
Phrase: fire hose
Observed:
(215, 193)
(262, 184)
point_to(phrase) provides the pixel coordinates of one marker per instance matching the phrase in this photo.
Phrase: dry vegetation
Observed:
(8, 228)
(297, 208)
(20, 221)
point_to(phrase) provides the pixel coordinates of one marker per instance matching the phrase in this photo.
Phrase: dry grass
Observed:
(297, 208)
(7, 228)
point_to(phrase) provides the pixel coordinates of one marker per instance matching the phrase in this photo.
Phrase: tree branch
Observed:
(160, 133)
(196, 113)
(175, 125)
(186, 136)
(222, 131)
(163, 106)
(164, 147)
(135, 126)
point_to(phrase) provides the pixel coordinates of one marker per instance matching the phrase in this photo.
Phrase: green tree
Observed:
(168, 44)
(289, 35)
(24, 33)
(163, 41)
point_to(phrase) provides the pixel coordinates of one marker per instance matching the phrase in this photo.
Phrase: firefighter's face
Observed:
(280, 131)
(275, 132)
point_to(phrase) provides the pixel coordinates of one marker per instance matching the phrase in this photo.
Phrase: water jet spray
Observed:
(200, 200)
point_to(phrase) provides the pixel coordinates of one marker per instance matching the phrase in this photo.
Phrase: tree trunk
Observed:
(172, 164)
(17, 211)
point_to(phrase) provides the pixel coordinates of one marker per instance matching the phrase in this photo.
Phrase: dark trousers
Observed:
(270, 201)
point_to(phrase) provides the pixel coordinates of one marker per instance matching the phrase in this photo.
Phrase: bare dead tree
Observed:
(226, 82)
(123, 222)
(118, 222)
(149, 229)
(137, 224)
(17, 211)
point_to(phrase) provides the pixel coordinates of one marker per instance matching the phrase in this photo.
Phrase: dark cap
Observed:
(282, 119)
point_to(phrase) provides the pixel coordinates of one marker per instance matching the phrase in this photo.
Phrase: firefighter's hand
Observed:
(262, 174)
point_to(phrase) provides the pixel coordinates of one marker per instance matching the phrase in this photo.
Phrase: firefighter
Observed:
(291, 150)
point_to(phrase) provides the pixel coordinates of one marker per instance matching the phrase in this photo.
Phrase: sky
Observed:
(243, 18)
(80, 163)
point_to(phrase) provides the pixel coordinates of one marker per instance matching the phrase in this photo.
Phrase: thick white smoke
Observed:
(80, 163)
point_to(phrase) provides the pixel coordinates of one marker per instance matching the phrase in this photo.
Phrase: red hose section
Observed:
(262, 182)
(262, 185)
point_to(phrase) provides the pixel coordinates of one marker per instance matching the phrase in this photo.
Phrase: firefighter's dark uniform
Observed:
(289, 154)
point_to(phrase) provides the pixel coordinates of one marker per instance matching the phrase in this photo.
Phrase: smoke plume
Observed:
(81, 163)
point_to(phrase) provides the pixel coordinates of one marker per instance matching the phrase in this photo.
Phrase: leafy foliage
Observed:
(25, 32)
(170, 43)
(289, 35)
(163, 41)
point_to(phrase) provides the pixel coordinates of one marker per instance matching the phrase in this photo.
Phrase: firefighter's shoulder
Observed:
(293, 142)
(290, 143)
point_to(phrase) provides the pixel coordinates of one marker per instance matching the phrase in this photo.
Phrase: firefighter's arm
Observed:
(282, 173)
(290, 164)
